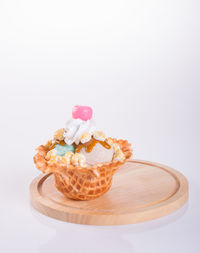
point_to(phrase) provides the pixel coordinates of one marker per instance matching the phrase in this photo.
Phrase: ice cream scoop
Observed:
(62, 150)
(99, 154)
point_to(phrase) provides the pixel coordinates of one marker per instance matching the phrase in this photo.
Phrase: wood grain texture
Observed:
(140, 191)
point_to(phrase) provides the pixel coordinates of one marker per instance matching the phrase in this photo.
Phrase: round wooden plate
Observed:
(140, 191)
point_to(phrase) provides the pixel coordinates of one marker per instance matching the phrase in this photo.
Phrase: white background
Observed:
(137, 64)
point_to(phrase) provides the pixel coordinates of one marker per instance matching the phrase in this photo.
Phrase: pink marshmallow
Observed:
(82, 112)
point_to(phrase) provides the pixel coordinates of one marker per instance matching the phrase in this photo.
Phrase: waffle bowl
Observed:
(82, 183)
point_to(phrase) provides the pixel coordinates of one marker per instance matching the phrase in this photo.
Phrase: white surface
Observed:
(137, 64)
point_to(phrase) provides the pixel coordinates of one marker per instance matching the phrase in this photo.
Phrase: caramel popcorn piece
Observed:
(48, 144)
(78, 160)
(67, 158)
(51, 155)
(59, 134)
(119, 155)
(99, 136)
(109, 141)
(116, 147)
(85, 137)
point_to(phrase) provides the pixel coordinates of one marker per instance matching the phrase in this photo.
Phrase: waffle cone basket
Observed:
(82, 183)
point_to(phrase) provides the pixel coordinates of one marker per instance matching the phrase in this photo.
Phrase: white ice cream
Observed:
(99, 154)
(75, 128)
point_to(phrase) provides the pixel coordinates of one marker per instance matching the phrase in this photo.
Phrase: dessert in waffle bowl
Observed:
(82, 159)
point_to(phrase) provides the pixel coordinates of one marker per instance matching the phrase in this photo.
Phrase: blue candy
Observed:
(62, 150)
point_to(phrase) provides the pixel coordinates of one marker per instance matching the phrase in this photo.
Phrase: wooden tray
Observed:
(140, 191)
